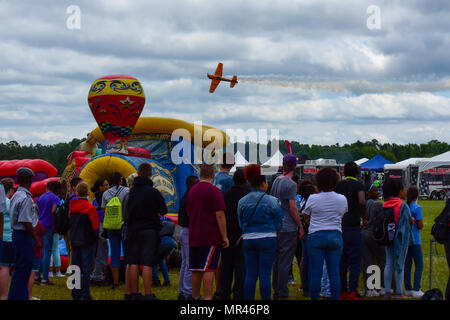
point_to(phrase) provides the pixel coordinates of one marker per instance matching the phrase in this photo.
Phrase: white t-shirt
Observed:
(326, 210)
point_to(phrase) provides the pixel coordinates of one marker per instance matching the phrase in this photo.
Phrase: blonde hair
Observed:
(82, 190)
(130, 179)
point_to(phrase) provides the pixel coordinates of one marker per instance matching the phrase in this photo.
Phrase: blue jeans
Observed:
(24, 252)
(115, 242)
(389, 270)
(325, 282)
(325, 245)
(165, 272)
(351, 258)
(259, 256)
(166, 246)
(55, 258)
(414, 253)
(185, 282)
(47, 247)
(83, 257)
(305, 266)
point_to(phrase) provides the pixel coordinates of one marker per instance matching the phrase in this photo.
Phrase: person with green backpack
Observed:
(112, 201)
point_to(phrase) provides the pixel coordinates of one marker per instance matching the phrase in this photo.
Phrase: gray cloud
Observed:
(302, 46)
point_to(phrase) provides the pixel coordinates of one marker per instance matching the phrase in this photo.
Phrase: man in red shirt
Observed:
(207, 231)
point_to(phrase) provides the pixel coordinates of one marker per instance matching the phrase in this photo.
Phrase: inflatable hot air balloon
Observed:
(116, 102)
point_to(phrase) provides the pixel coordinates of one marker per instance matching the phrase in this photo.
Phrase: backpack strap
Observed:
(254, 210)
(119, 189)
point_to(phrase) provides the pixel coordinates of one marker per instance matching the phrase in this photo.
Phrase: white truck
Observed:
(433, 182)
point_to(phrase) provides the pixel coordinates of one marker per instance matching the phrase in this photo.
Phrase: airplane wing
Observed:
(214, 84)
(218, 72)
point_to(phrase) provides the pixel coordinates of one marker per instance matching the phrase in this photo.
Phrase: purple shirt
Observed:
(45, 204)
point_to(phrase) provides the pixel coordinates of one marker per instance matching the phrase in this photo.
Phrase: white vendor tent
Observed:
(275, 161)
(437, 161)
(239, 162)
(404, 164)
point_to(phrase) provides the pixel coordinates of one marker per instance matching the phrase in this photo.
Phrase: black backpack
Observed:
(433, 294)
(61, 220)
(440, 228)
(384, 227)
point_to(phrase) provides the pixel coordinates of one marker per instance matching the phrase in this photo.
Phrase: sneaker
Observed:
(344, 295)
(34, 298)
(114, 286)
(417, 294)
(292, 283)
(60, 275)
(50, 274)
(181, 297)
(166, 284)
(382, 291)
(408, 293)
(353, 296)
(372, 293)
(46, 283)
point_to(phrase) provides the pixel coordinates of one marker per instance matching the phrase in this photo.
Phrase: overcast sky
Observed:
(312, 69)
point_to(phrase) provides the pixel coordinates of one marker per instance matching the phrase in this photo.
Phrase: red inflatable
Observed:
(41, 168)
(139, 152)
(39, 187)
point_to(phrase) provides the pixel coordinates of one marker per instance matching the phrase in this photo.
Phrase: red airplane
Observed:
(217, 77)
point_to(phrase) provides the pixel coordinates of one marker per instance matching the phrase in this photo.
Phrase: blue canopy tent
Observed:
(375, 164)
(372, 166)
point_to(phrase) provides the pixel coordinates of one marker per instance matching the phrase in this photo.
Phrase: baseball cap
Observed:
(24, 172)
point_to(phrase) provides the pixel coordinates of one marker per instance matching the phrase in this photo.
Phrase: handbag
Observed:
(251, 217)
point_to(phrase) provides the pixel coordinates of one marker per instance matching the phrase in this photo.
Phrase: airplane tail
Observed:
(233, 81)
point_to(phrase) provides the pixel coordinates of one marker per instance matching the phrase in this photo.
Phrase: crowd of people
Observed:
(235, 230)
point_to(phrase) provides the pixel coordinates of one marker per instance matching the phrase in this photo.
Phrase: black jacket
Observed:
(83, 223)
(232, 197)
(143, 205)
(183, 218)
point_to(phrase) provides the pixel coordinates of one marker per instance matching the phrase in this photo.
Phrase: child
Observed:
(166, 247)
(415, 250)
(39, 229)
(55, 259)
(83, 228)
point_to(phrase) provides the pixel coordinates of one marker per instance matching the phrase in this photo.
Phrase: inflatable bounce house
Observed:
(44, 173)
(123, 140)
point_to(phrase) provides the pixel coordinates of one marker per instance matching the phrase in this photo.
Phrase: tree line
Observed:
(57, 154)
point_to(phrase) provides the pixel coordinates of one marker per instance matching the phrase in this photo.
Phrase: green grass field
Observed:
(440, 271)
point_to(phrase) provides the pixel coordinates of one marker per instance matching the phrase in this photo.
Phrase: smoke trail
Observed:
(354, 86)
